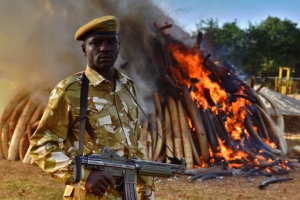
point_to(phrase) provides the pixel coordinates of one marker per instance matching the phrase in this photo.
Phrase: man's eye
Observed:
(94, 43)
(112, 42)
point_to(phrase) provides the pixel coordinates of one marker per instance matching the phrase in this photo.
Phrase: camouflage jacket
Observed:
(113, 115)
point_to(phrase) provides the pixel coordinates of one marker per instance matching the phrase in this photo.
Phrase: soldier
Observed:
(111, 110)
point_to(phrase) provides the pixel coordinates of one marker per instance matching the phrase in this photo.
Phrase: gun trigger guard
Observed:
(118, 183)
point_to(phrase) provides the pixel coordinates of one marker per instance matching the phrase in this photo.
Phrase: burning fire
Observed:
(190, 62)
(190, 70)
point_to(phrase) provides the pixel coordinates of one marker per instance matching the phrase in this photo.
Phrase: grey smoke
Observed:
(38, 46)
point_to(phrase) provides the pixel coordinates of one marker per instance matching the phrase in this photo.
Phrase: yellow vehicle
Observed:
(285, 85)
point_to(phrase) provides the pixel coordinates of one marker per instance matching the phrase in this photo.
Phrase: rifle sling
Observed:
(83, 119)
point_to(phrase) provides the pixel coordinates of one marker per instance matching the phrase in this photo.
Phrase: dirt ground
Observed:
(24, 181)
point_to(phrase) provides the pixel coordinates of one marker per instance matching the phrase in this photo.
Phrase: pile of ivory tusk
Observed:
(170, 120)
(171, 124)
(19, 120)
(22, 114)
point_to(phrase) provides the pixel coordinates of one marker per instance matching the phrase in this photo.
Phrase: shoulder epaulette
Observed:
(65, 83)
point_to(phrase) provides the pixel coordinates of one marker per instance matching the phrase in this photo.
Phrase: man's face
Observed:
(101, 51)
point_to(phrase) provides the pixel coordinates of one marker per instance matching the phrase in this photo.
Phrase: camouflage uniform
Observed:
(114, 117)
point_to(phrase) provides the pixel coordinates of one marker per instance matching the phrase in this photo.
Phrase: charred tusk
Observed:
(263, 184)
(245, 149)
(259, 101)
(252, 172)
(213, 138)
(275, 129)
(201, 176)
(209, 176)
(215, 174)
(252, 83)
(249, 128)
(264, 165)
(278, 115)
(263, 125)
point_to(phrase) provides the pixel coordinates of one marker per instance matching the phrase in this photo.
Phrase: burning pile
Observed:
(208, 115)
(204, 113)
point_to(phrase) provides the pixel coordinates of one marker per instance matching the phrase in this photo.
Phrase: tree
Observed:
(227, 43)
(258, 50)
(277, 42)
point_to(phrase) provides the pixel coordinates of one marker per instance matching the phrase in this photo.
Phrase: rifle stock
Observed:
(125, 171)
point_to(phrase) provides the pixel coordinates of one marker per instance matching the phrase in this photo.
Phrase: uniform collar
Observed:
(95, 78)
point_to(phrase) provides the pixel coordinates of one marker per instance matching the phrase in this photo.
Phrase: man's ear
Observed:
(83, 49)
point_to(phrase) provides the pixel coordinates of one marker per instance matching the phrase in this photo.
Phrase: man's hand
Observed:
(98, 182)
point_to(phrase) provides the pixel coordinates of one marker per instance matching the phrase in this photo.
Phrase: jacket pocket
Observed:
(101, 123)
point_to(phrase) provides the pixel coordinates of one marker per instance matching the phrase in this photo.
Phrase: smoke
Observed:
(39, 50)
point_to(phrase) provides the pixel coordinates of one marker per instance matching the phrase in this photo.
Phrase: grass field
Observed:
(24, 181)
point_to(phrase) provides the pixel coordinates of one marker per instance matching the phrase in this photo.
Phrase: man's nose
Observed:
(104, 46)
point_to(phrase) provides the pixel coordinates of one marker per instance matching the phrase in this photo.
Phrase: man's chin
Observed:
(105, 66)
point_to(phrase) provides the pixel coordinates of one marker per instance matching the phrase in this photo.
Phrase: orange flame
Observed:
(191, 72)
(191, 63)
(228, 154)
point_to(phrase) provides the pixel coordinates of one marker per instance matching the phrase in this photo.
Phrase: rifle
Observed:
(125, 171)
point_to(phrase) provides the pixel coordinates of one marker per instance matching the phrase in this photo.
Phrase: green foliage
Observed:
(258, 50)
(266, 66)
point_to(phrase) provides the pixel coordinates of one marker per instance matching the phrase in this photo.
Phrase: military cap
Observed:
(103, 25)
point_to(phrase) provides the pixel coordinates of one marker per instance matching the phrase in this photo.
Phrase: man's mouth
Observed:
(105, 58)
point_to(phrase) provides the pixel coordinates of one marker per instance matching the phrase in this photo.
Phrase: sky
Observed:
(189, 12)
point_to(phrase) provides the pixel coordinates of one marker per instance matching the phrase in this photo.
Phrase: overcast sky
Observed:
(189, 12)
